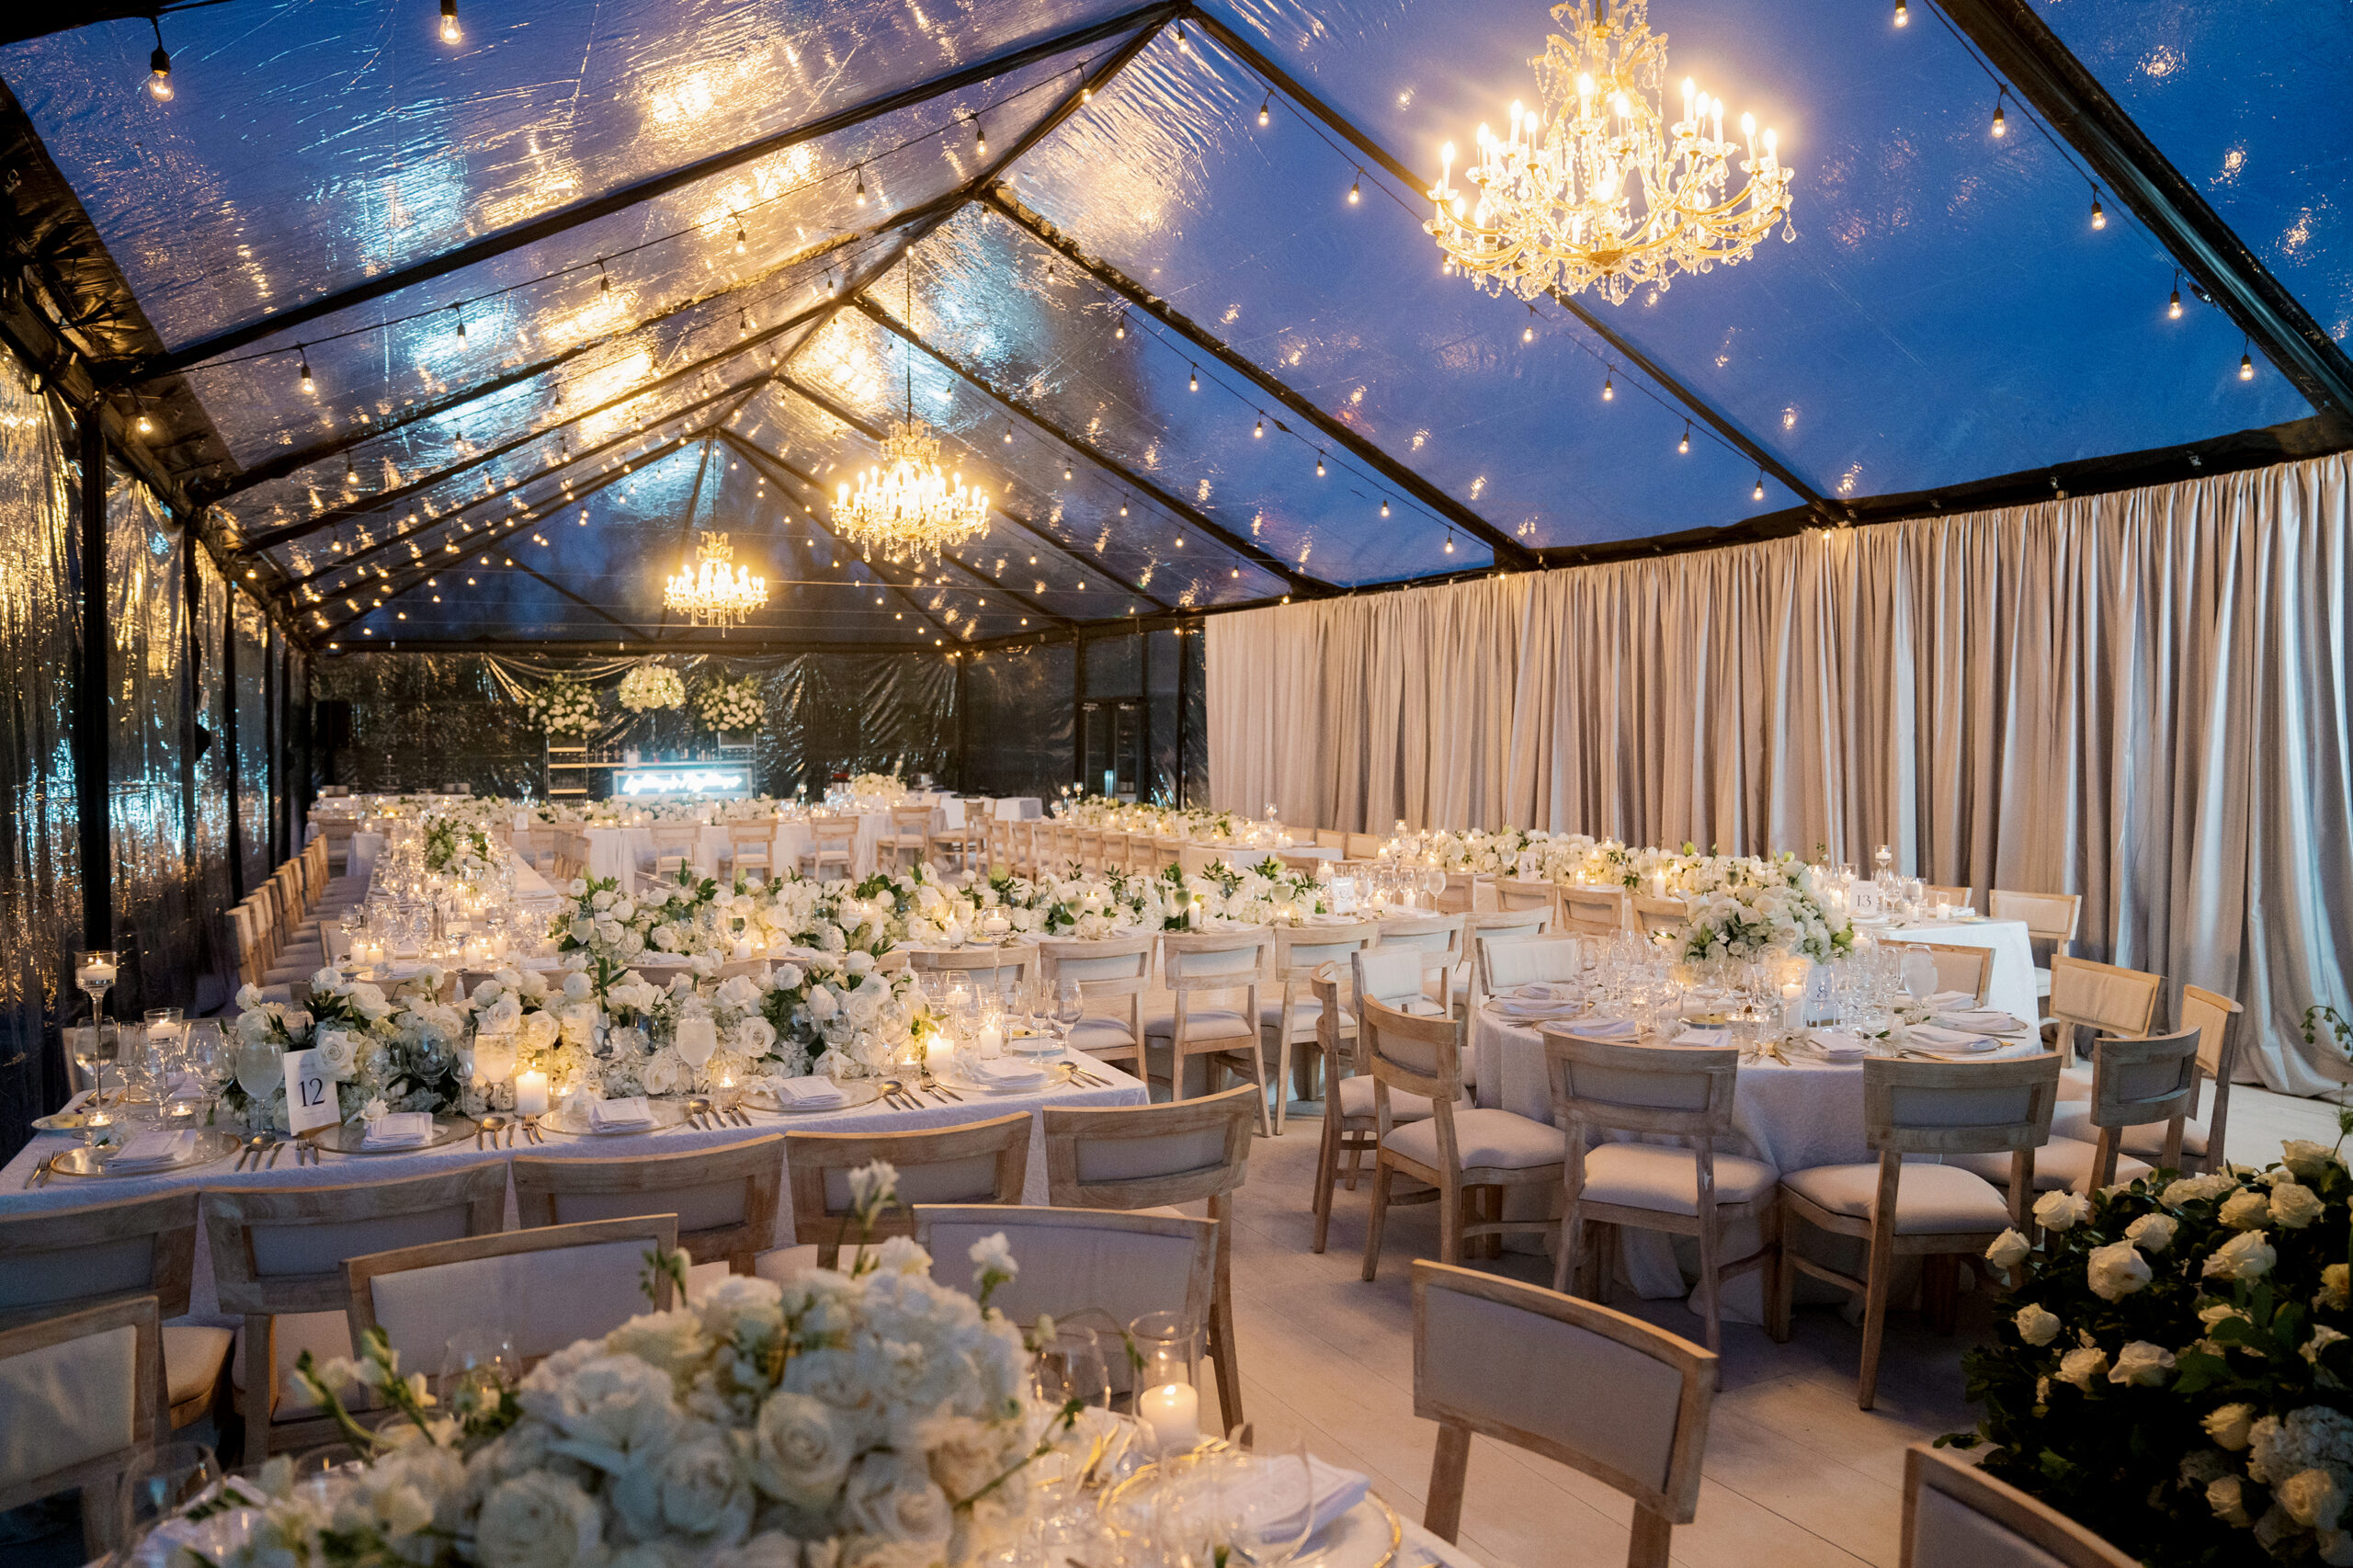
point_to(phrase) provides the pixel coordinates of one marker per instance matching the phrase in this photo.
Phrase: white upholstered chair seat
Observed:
(2062, 1163)
(1355, 1099)
(193, 1355)
(1100, 1034)
(1930, 1200)
(1666, 1178)
(2148, 1139)
(1201, 1023)
(1485, 1137)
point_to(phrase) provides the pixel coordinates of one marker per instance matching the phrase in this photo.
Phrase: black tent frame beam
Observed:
(2043, 72)
(604, 647)
(457, 514)
(873, 432)
(1508, 552)
(294, 461)
(760, 457)
(1242, 50)
(1301, 583)
(566, 219)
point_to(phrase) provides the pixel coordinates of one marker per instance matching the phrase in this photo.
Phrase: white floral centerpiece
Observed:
(1478, 850)
(885, 786)
(1742, 907)
(458, 848)
(383, 1054)
(564, 707)
(730, 704)
(2174, 1364)
(863, 1419)
(520, 1022)
(648, 688)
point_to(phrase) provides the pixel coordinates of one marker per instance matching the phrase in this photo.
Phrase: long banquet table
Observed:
(336, 1169)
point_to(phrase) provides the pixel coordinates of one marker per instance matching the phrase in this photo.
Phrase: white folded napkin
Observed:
(154, 1148)
(613, 1115)
(1979, 1020)
(1000, 1072)
(1519, 1009)
(400, 1130)
(1939, 1001)
(809, 1094)
(1607, 1028)
(1951, 1041)
(1270, 1504)
(1703, 1037)
(1838, 1045)
(1551, 991)
(1331, 920)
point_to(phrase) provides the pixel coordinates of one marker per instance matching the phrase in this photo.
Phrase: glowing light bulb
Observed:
(309, 387)
(1528, 335)
(159, 74)
(1066, 472)
(450, 33)
(2001, 126)
(2246, 366)
(980, 138)
(1120, 328)
(1450, 541)
(2173, 306)
(1684, 446)
(1193, 384)
(1265, 116)
(144, 426)
(1356, 191)
(739, 238)
(1009, 435)
(1759, 494)
(861, 187)
(1319, 465)
(1259, 430)
(1609, 389)
(2099, 219)
(1903, 15)
(1384, 506)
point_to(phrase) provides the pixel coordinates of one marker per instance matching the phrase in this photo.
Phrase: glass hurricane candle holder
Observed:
(1168, 1400)
(94, 975)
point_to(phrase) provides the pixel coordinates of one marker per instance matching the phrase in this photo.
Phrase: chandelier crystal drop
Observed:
(906, 509)
(713, 591)
(1596, 187)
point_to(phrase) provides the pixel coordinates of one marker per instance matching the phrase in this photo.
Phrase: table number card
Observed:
(1341, 893)
(310, 1094)
(1820, 1002)
(1869, 904)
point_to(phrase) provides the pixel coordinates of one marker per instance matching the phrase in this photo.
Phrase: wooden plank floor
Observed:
(1795, 1475)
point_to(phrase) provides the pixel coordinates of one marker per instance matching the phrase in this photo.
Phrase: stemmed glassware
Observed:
(94, 976)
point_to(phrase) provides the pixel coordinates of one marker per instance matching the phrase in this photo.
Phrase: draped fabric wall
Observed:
(2142, 698)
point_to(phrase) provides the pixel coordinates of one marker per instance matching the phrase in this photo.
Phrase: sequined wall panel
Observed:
(1163, 649)
(159, 928)
(420, 721)
(1019, 730)
(1196, 756)
(858, 712)
(40, 902)
(209, 820)
(251, 639)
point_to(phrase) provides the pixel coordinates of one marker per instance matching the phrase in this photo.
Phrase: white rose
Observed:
(2230, 1426)
(2151, 1233)
(891, 1496)
(859, 963)
(624, 909)
(576, 887)
(2312, 1498)
(2244, 1256)
(2037, 1326)
(2246, 1210)
(2306, 1158)
(801, 1450)
(2116, 1270)
(2081, 1366)
(2335, 1280)
(2192, 1189)
(2227, 1498)
(2143, 1363)
(578, 987)
(609, 1402)
(2062, 1210)
(2009, 1250)
(602, 901)
(787, 977)
(339, 1052)
(538, 1520)
(691, 1486)
(2294, 1206)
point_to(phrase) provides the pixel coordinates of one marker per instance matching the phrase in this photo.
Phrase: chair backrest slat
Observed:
(2104, 996)
(1953, 1107)
(279, 1250)
(1956, 1515)
(724, 1199)
(1145, 1156)
(981, 1162)
(56, 1261)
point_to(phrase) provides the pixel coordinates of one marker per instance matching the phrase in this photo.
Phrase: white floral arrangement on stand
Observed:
(867, 1418)
(648, 688)
(1477, 851)
(724, 705)
(564, 707)
(885, 786)
(1742, 907)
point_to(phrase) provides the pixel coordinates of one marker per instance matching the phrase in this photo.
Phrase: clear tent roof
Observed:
(602, 278)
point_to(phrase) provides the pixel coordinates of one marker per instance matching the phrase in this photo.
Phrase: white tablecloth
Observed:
(332, 1170)
(2011, 989)
(623, 852)
(361, 858)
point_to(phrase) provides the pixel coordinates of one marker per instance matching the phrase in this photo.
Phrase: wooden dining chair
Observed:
(1465, 891)
(724, 1199)
(1911, 1210)
(1660, 917)
(1960, 967)
(2048, 917)
(1956, 1515)
(1457, 1148)
(1113, 971)
(2139, 1082)
(1595, 912)
(542, 1288)
(751, 847)
(1202, 969)
(1565, 1380)
(1604, 1086)
(1086, 848)
(2104, 997)
(994, 968)
(278, 1260)
(57, 1261)
(1401, 976)
(81, 1400)
(1362, 847)
(1150, 1157)
(1510, 965)
(909, 841)
(1290, 1017)
(2184, 1140)
(1437, 937)
(1522, 892)
(1497, 926)
(833, 846)
(676, 844)
(980, 1162)
(1934, 893)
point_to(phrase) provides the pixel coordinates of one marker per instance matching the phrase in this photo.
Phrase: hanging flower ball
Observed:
(651, 686)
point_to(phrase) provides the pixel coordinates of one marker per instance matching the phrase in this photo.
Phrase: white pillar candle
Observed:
(92, 976)
(1944, 909)
(531, 1094)
(990, 1041)
(1172, 1411)
(1792, 1005)
(1658, 884)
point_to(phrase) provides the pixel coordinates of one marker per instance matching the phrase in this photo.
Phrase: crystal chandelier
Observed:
(907, 507)
(712, 592)
(1594, 188)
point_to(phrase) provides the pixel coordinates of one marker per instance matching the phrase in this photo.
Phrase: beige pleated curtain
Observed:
(2142, 698)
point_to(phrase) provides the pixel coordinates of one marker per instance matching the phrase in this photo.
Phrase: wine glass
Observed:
(92, 1046)
(1919, 975)
(1070, 1006)
(94, 976)
(1268, 1500)
(159, 1482)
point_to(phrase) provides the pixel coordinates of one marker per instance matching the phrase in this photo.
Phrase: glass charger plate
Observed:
(856, 1092)
(1057, 1074)
(573, 1120)
(346, 1139)
(1367, 1536)
(83, 1161)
